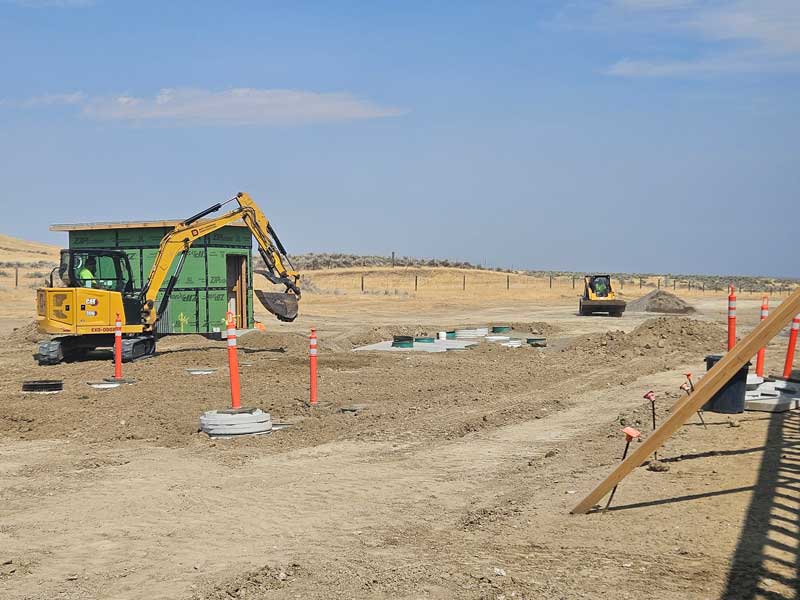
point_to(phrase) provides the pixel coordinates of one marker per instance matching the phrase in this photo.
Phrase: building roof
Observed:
(126, 225)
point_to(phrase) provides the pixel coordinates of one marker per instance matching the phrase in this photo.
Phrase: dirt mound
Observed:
(380, 333)
(270, 340)
(535, 327)
(251, 584)
(661, 301)
(658, 336)
(27, 334)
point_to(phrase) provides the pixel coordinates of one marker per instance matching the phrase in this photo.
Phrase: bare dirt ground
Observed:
(455, 481)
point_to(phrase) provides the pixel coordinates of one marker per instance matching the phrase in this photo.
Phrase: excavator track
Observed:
(57, 350)
(50, 353)
(141, 346)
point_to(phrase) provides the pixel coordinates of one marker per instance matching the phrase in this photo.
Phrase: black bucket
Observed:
(730, 398)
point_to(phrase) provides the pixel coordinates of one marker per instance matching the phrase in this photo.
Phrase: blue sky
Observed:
(620, 135)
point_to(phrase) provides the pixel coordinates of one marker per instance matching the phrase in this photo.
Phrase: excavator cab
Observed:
(97, 269)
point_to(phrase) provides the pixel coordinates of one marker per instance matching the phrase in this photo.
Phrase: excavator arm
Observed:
(178, 242)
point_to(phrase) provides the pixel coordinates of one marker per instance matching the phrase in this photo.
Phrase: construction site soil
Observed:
(420, 475)
(413, 397)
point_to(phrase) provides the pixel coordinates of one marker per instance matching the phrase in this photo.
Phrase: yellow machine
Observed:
(599, 297)
(99, 286)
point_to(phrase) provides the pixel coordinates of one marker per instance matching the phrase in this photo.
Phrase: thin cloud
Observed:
(742, 36)
(653, 4)
(236, 106)
(54, 99)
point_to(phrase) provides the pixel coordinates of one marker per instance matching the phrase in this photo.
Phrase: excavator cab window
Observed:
(99, 269)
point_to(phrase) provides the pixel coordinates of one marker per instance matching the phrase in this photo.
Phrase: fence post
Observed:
(640, 283)
(16, 277)
(415, 282)
(573, 282)
(659, 284)
(362, 284)
(551, 282)
(464, 283)
(508, 282)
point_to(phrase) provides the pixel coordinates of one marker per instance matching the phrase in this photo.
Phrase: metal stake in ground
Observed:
(652, 398)
(689, 379)
(312, 363)
(630, 435)
(688, 388)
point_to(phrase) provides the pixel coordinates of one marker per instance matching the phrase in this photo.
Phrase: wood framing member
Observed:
(703, 391)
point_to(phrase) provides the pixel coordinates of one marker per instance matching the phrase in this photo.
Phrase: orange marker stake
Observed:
(762, 352)
(312, 361)
(787, 366)
(118, 348)
(689, 379)
(630, 435)
(233, 363)
(731, 319)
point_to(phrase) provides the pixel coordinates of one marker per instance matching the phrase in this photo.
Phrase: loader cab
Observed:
(96, 268)
(600, 285)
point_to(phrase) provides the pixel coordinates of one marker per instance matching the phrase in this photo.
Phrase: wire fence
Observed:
(400, 281)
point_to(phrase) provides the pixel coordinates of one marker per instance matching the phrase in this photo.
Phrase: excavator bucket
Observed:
(283, 306)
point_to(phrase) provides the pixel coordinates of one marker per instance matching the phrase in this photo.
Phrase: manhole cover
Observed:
(43, 386)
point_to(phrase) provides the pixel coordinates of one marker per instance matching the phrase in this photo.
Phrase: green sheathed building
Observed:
(216, 277)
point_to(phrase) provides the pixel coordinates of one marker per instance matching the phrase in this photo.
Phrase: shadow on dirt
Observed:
(767, 562)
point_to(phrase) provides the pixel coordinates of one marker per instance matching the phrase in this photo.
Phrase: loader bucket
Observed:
(283, 306)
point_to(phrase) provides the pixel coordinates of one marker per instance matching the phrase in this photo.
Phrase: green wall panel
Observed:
(92, 239)
(193, 306)
(138, 238)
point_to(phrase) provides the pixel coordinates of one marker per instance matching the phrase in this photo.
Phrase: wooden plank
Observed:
(710, 384)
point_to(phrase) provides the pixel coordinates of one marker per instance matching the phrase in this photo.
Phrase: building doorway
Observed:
(236, 267)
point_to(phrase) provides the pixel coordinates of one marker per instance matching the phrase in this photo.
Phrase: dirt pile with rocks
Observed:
(658, 336)
(380, 333)
(661, 301)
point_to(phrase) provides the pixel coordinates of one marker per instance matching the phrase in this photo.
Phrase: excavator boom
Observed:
(178, 242)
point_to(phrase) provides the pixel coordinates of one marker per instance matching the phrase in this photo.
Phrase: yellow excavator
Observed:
(599, 297)
(82, 315)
